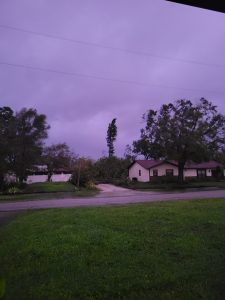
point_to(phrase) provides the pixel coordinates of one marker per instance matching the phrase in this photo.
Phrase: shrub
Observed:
(82, 175)
(164, 179)
(90, 185)
(198, 179)
(13, 190)
(108, 169)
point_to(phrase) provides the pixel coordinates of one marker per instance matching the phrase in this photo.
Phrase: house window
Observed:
(155, 172)
(139, 172)
(169, 172)
(201, 173)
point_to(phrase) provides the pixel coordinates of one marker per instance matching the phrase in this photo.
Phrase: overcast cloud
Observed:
(79, 109)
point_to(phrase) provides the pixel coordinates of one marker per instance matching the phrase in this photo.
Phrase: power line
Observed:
(97, 45)
(100, 77)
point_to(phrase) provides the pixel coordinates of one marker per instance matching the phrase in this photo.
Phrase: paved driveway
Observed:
(110, 190)
(119, 196)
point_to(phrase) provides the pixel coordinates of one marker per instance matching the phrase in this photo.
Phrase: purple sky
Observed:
(79, 109)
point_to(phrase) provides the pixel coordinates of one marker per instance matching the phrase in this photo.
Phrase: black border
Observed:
(215, 5)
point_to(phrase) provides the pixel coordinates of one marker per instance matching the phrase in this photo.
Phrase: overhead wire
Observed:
(98, 45)
(140, 53)
(96, 77)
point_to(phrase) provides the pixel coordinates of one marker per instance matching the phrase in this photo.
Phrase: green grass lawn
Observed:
(157, 251)
(47, 187)
(49, 190)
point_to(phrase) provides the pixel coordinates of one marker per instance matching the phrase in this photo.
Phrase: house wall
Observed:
(162, 169)
(187, 173)
(190, 173)
(209, 172)
(193, 173)
(134, 173)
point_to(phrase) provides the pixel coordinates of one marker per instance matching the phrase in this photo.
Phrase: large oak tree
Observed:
(6, 141)
(30, 132)
(182, 131)
(21, 141)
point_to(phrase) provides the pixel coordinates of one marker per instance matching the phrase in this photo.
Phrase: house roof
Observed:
(212, 164)
(149, 164)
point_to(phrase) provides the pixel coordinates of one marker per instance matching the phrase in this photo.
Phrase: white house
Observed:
(145, 170)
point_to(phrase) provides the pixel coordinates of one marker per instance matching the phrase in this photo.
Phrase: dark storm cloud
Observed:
(79, 108)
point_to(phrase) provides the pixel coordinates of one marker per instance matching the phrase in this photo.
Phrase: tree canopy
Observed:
(31, 130)
(58, 156)
(6, 138)
(21, 141)
(182, 131)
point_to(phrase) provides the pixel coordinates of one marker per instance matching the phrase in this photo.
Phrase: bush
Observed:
(82, 175)
(13, 187)
(80, 179)
(198, 179)
(13, 190)
(164, 179)
(90, 185)
(109, 169)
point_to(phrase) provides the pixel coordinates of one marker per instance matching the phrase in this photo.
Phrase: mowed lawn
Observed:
(49, 190)
(164, 250)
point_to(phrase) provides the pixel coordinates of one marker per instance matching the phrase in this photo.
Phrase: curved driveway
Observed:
(111, 195)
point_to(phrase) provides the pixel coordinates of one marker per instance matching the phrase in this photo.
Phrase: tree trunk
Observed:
(50, 173)
(78, 176)
(181, 165)
(1, 181)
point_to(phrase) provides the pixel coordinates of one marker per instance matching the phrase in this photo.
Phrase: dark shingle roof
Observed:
(148, 164)
(204, 165)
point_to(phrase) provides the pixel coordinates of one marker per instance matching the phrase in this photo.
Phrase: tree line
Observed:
(23, 151)
(180, 131)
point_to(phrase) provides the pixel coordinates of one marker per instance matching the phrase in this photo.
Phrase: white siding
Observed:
(162, 169)
(193, 173)
(190, 173)
(44, 178)
(209, 172)
(134, 173)
(36, 178)
(61, 177)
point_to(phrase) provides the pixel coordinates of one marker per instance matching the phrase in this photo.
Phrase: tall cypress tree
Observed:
(111, 137)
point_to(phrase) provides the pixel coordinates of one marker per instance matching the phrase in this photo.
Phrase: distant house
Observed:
(145, 170)
(39, 173)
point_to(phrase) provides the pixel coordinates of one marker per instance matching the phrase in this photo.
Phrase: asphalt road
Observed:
(108, 196)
